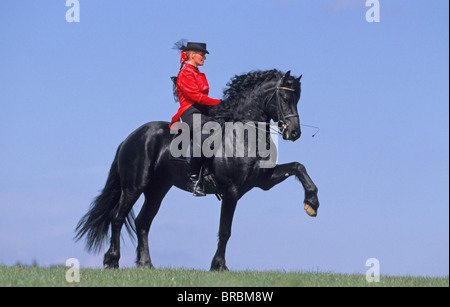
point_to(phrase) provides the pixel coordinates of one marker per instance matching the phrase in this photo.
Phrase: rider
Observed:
(192, 90)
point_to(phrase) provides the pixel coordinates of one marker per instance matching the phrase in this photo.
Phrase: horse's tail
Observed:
(95, 223)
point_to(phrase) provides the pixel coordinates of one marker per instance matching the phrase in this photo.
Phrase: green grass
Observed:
(56, 277)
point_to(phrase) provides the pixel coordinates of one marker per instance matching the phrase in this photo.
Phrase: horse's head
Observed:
(281, 106)
(263, 96)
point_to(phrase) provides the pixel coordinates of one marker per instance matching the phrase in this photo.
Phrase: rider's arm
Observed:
(189, 87)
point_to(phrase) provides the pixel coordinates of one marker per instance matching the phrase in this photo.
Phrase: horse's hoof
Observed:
(218, 265)
(219, 269)
(111, 266)
(147, 265)
(310, 211)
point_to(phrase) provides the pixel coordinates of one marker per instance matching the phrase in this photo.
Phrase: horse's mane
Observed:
(238, 90)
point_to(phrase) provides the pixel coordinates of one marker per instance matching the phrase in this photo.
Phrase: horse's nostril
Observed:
(294, 133)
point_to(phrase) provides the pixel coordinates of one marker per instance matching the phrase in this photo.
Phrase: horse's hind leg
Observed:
(153, 198)
(128, 198)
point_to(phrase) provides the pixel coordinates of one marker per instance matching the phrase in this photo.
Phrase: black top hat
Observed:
(195, 47)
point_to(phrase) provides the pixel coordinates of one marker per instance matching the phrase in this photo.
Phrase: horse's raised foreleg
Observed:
(153, 198)
(226, 218)
(280, 172)
(127, 199)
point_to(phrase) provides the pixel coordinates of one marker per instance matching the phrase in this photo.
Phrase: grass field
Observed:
(56, 277)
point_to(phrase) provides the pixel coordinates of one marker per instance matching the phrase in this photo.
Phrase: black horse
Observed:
(143, 164)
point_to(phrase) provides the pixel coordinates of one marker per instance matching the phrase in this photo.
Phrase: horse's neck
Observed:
(254, 115)
(250, 109)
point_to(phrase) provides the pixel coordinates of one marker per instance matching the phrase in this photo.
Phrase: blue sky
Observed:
(71, 92)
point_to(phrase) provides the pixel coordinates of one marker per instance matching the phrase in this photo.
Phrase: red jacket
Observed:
(192, 88)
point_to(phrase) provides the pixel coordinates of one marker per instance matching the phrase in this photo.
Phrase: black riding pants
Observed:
(188, 118)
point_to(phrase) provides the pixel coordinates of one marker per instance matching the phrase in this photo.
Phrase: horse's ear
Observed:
(287, 75)
(299, 78)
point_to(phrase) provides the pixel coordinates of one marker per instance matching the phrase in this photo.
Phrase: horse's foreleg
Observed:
(226, 219)
(153, 199)
(281, 172)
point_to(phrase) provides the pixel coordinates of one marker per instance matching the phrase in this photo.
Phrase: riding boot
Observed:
(195, 184)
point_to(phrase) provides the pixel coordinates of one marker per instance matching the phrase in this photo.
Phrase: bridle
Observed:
(282, 124)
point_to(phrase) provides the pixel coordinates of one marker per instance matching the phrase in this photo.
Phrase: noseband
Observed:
(282, 124)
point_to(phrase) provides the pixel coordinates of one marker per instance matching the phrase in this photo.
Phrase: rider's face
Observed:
(197, 58)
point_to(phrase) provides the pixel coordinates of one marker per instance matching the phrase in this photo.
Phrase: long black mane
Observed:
(240, 90)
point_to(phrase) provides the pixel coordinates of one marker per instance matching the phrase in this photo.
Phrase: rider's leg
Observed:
(195, 162)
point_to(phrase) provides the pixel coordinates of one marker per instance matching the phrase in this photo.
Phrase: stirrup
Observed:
(195, 186)
(198, 189)
(198, 192)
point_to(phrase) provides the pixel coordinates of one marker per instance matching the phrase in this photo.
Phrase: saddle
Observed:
(206, 176)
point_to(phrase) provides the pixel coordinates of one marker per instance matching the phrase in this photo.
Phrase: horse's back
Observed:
(141, 150)
(150, 129)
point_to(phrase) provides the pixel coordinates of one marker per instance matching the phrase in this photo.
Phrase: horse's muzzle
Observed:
(291, 134)
(295, 135)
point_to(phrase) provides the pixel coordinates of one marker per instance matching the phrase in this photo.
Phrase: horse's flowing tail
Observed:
(95, 223)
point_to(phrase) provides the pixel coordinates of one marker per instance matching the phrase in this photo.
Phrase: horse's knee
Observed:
(300, 167)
